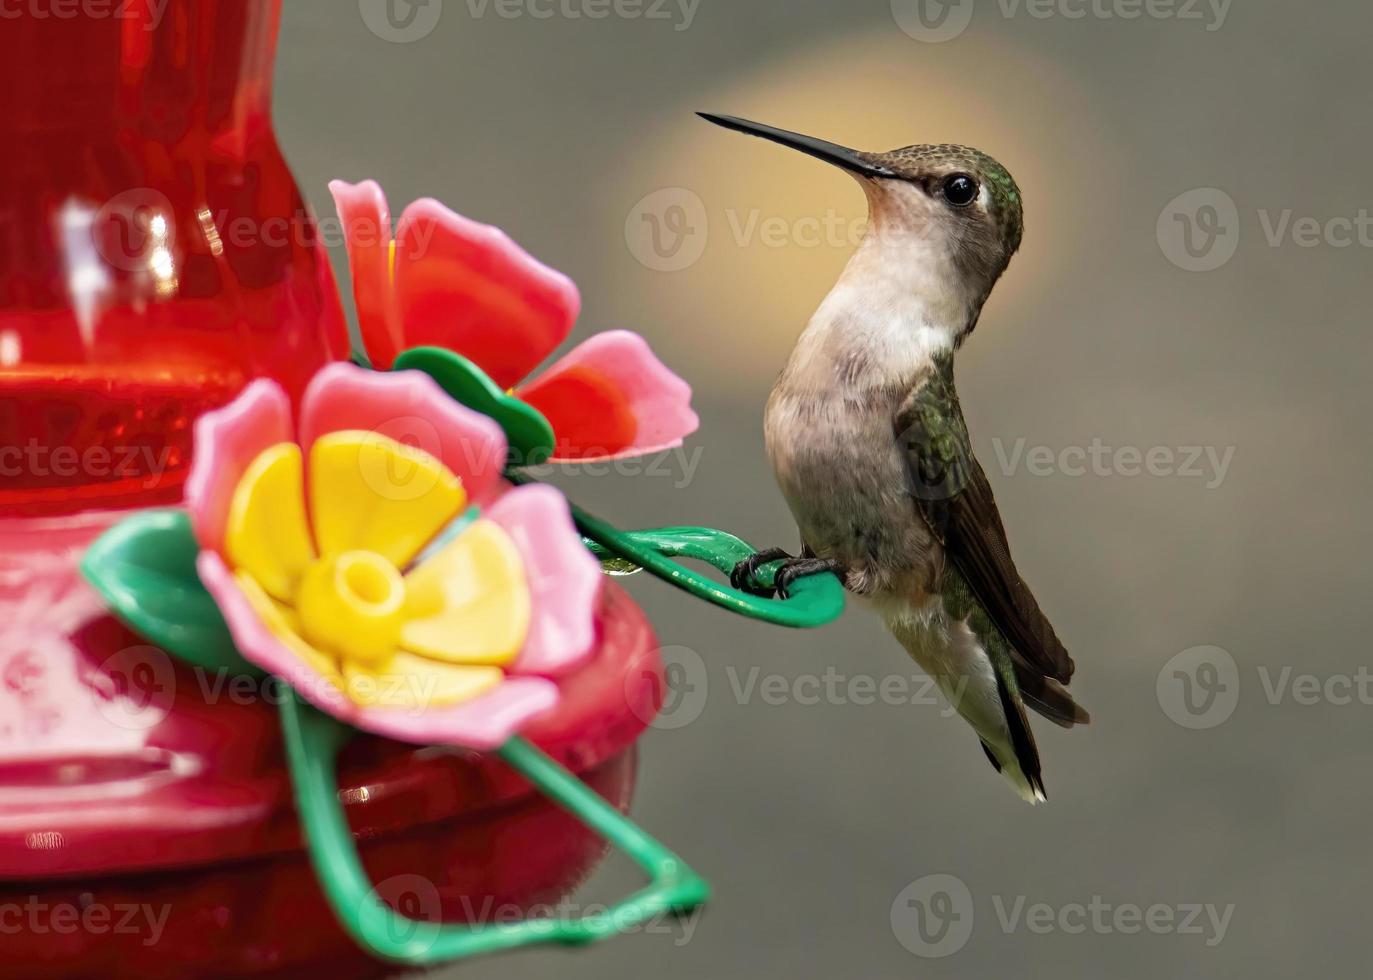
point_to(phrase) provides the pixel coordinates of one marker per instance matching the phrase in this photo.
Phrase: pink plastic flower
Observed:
(348, 560)
(447, 281)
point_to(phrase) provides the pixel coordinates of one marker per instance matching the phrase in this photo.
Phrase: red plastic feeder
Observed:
(147, 827)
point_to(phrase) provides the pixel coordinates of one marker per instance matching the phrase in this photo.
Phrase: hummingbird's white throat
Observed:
(909, 252)
(901, 299)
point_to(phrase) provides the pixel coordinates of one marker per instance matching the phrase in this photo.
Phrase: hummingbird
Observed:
(870, 449)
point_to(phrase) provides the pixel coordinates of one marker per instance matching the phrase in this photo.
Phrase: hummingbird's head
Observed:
(948, 205)
(955, 193)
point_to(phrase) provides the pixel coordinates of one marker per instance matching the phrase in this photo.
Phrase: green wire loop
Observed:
(815, 599)
(313, 741)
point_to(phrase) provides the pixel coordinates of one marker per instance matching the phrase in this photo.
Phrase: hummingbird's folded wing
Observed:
(954, 498)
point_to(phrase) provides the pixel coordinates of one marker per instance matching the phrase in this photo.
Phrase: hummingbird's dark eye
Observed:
(960, 190)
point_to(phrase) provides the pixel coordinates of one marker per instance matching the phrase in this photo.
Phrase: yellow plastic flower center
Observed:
(328, 583)
(353, 605)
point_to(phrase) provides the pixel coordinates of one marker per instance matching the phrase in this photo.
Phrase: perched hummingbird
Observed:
(869, 446)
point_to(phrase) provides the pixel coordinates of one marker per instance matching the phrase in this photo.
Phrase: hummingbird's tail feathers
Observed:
(1050, 698)
(1027, 792)
(980, 685)
(1025, 764)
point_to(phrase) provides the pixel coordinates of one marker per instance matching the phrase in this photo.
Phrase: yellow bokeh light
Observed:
(739, 239)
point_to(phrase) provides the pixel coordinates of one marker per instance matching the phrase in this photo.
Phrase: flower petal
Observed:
(371, 493)
(611, 397)
(564, 580)
(367, 234)
(227, 440)
(483, 723)
(410, 408)
(590, 416)
(469, 603)
(412, 683)
(466, 286)
(267, 535)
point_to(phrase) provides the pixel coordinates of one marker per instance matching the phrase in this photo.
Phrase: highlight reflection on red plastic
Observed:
(155, 252)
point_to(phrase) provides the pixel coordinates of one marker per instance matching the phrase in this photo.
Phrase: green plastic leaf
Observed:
(144, 568)
(528, 432)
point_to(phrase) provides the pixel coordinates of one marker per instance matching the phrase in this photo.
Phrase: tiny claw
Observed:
(743, 577)
(799, 568)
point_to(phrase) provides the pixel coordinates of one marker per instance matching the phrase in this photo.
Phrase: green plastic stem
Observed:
(814, 601)
(313, 741)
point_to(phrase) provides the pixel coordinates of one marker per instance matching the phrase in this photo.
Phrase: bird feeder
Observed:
(177, 797)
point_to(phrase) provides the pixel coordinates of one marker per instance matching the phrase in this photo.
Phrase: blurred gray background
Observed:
(1139, 319)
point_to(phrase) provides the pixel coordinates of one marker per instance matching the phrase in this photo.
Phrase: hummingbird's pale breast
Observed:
(829, 420)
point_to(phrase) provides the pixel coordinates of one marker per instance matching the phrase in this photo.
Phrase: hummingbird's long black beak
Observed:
(840, 156)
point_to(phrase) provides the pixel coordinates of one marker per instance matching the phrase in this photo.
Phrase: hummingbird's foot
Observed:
(797, 567)
(743, 576)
